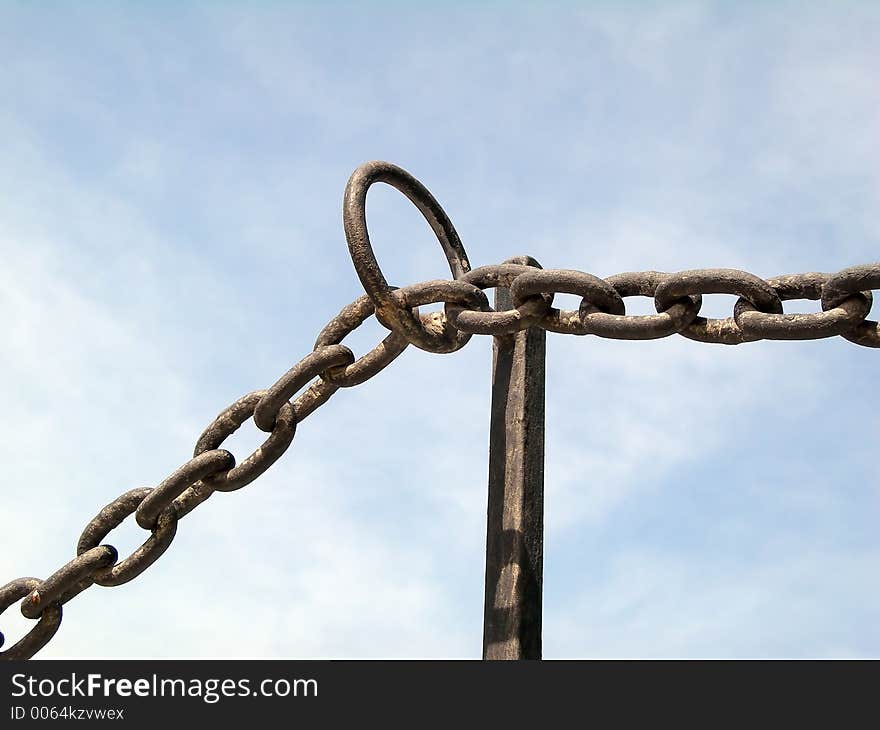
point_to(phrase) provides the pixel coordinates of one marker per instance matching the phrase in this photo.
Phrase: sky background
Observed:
(171, 178)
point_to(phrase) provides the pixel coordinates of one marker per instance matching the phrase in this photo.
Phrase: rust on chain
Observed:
(227, 422)
(312, 365)
(851, 281)
(846, 299)
(590, 288)
(316, 395)
(350, 318)
(199, 467)
(716, 281)
(680, 314)
(40, 634)
(69, 580)
(451, 293)
(489, 322)
(109, 518)
(836, 320)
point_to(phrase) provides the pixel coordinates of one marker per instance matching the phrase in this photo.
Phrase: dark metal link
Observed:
(389, 312)
(716, 281)
(364, 368)
(288, 384)
(458, 293)
(227, 422)
(68, 581)
(199, 467)
(836, 320)
(866, 334)
(41, 633)
(109, 518)
(590, 288)
(850, 281)
(316, 395)
(489, 322)
(191, 498)
(673, 320)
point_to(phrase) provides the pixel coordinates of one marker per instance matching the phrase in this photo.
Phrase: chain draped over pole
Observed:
(515, 521)
(523, 313)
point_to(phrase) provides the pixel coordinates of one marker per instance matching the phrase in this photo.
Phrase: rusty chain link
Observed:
(845, 297)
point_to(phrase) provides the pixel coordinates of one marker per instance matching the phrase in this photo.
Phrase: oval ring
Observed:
(849, 281)
(716, 281)
(39, 635)
(528, 314)
(837, 320)
(389, 312)
(227, 422)
(204, 465)
(287, 385)
(109, 518)
(69, 580)
(643, 326)
(366, 366)
(590, 288)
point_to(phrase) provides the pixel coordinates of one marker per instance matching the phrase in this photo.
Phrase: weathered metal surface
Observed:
(109, 518)
(846, 283)
(289, 384)
(848, 311)
(354, 220)
(515, 515)
(518, 325)
(39, 635)
(199, 467)
(347, 321)
(227, 422)
(499, 322)
(588, 287)
(717, 281)
(69, 580)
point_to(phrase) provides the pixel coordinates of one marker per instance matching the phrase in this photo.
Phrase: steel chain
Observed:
(846, 299)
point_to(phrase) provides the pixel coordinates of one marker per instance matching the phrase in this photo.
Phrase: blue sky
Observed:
(170, 185)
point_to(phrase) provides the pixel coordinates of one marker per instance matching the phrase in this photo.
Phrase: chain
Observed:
(845, 297)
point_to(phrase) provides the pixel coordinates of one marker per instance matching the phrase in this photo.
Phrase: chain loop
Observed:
(365, 367)
(287, 385)
(716, 281)
(389, 312)
(199, 467)
(590, 288)
(41, 633)
(227, 422)
(489, 322)
(69, 580)
(109, 518)
(672, 320)
(851, 281)
(837, 320)
(453, 294)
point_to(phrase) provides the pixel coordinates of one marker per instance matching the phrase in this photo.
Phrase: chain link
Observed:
(846, 299)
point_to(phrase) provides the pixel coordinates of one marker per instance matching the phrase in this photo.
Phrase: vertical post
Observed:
(515, 527)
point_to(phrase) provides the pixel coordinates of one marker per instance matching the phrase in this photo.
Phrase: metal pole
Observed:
(515, 528)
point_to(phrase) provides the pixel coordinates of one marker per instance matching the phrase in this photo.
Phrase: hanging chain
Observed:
(845, 297)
